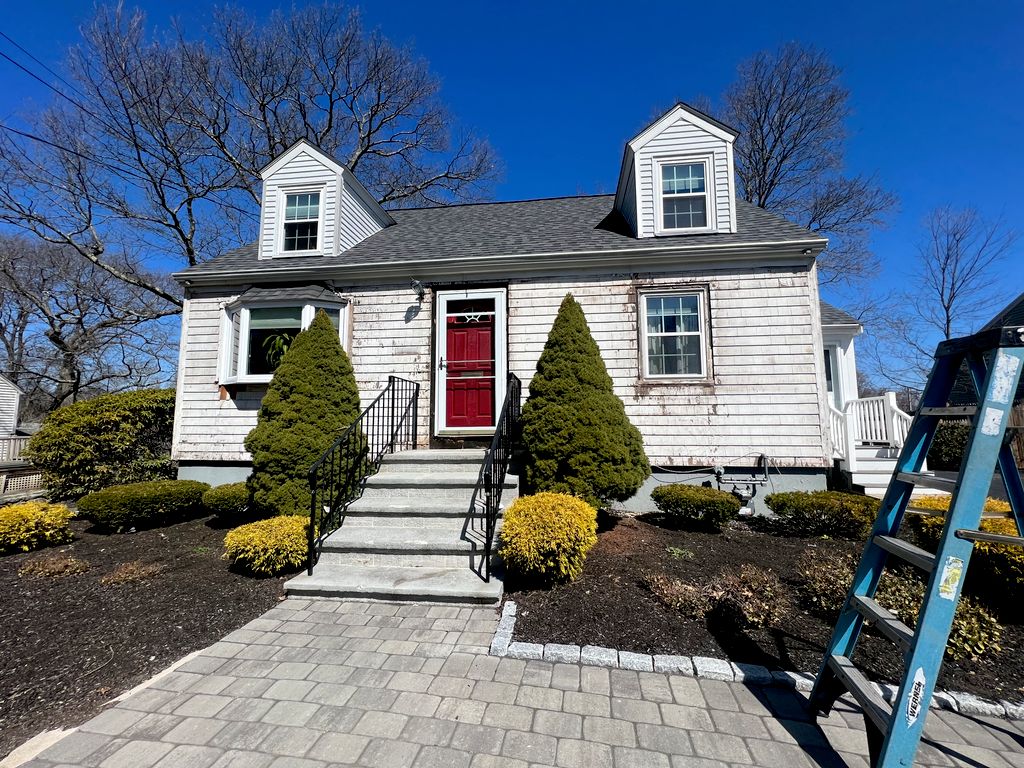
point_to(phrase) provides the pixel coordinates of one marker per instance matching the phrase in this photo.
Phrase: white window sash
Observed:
(710, 215)
(700, 334)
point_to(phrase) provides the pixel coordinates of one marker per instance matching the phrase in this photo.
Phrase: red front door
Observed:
(469, 367)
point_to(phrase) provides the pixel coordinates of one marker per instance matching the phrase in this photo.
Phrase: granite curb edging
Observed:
(713, 669)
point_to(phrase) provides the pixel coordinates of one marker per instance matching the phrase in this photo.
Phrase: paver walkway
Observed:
(317, 683)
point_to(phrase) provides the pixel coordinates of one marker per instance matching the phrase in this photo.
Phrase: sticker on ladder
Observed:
(949, 580)
(1003, 374)
(993, 421)
(915, 701)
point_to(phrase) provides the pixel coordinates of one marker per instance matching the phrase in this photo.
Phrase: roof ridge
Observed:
(502, 202)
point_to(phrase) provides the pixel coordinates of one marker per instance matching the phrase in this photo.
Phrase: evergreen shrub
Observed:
(948, 445)
(576, 434)
(33, 524)
(229, 501)
(706, 508)
(310, 401)
(546, 537)
(269, 547)
(820, 513)
(144, 505)
(110, 440)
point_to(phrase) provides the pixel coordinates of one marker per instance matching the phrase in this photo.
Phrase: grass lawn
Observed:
(86, 621)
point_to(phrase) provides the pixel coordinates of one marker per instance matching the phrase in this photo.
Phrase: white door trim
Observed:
(441, 352)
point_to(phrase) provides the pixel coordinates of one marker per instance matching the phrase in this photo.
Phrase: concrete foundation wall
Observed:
(747, 480)
(214, 473)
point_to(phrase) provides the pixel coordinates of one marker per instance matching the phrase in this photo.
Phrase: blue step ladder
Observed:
(994, 360)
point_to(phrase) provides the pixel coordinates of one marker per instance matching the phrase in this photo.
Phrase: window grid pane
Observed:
(674, 339)
(685, 213)
(302, 207)
(300, 236)
(682, 179)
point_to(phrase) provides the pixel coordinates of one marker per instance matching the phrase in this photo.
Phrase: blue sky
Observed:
(936, 87)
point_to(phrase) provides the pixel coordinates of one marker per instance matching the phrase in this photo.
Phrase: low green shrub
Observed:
(228, 502)
(948, 445)
(144, 505)
(109, 440)
(754, 597)
(547, 536)
(695, 505)
(827, 578)
(33, 524)
(820, 513)
(269, 547)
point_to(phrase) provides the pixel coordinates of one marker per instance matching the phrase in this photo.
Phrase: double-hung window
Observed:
(673, 335)
(301, 221)
(685, 203)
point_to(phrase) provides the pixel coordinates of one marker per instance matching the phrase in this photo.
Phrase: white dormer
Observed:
(314, 206)
(677, 176)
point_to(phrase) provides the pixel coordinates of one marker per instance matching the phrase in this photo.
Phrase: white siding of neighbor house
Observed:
(766, 396)
(10, 401)
(306, 172)
(682, 137)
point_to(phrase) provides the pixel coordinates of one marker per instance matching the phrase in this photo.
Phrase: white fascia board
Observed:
(566, 262)
(300, 146)
(670, 117)
(846, 329)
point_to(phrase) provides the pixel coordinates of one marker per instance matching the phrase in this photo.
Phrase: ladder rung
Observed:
(863, 692)
(992, 538)
(928, 481)
(906, 551)
(961, 411)
(884, 621)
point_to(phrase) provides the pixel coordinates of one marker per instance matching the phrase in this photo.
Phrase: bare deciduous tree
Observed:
(71, 329)
(791, 111)
(162, 138)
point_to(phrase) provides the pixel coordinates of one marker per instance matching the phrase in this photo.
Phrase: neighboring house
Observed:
(704, 306)
(10, 404)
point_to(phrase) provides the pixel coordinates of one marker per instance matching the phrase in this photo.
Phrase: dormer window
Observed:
(301, 221)
(685, 198)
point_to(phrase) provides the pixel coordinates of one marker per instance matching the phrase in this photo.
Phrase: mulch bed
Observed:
(72, 643)
(609, 606)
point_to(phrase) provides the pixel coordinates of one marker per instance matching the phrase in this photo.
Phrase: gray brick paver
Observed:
(322, 683)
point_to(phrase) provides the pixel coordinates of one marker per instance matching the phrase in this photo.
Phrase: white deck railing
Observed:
(876, 421)
(11, 448)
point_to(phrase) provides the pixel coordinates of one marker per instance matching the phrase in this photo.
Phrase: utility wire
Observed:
(28, 53)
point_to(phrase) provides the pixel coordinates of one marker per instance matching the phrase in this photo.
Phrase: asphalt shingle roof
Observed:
(555, 225)
(834, 316)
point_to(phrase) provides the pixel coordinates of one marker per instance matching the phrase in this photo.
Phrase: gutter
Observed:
(510, 263)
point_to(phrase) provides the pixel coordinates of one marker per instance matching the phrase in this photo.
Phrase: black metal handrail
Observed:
(492, 473)
(336, 479)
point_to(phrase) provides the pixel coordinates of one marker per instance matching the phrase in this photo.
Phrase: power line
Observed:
(115, 168)
(28, 53)
(52, 87)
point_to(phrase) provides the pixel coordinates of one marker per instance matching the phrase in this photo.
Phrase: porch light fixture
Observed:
(419, 290)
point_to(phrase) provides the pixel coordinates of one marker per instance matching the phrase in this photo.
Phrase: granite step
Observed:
(441, 585)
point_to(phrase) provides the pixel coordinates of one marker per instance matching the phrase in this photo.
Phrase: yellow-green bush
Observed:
(827, 578)
(706, 508)
(820, 513)
(547, 536)
(33, 524)
(940, 503)
(268, 547)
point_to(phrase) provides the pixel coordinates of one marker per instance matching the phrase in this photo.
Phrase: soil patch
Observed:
(609, 606)
(72, 642)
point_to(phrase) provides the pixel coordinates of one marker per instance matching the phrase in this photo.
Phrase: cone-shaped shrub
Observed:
(312, 398)
(577, 436)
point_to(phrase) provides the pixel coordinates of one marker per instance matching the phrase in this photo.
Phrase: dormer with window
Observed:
(314, 206)
(678, 177)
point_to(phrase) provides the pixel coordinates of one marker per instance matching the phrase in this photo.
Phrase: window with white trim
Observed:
(301, 221)
(685, 198)
(673, 335)
(255, 338)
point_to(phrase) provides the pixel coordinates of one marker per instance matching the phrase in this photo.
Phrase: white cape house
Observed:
(705, 308)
